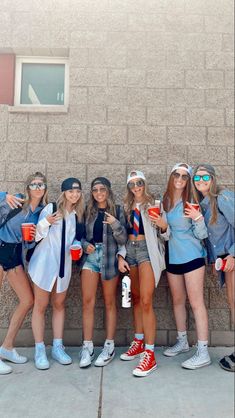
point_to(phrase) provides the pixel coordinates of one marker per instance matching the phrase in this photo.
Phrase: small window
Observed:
(41, 82)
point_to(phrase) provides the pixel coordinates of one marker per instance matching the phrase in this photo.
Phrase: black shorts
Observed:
(10, 255)
(184, 267)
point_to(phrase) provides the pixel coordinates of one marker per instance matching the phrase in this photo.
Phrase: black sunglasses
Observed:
(184, 177)
(138, 183)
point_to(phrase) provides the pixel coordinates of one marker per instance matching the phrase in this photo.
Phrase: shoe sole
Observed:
(86, 365)
(42, 368)
(129, 358)
(138, 373)
(60, 362)
(196, 367)
(5, 372)
(176, 354)
(107, 362)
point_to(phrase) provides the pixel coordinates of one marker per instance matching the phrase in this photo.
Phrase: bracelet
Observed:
(198, 217)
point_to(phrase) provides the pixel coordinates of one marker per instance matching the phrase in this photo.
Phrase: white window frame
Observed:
(20, 60)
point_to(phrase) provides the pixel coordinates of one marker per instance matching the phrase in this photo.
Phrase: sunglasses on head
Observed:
(184, 177)
(138, 183)
(99, 190)
(205, 177)
(37, 186)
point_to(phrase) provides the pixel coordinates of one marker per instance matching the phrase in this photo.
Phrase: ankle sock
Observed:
(57, 341)
(139, 336)
(149, 347)
(89, 345)
(182, 335)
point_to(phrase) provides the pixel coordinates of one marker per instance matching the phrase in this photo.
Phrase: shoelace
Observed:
(83, 351)
(195, 356)
(144, 360)
(105, 352)
(177, 345)
(134, 344)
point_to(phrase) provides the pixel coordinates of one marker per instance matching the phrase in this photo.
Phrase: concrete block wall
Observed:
(151, 84)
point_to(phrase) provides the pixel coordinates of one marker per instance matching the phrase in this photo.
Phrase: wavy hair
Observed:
(129, 200)
(92, 206)
(30, 178)
(79, 206)
(168, 197)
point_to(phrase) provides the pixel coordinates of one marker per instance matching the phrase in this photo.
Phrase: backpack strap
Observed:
(11, 215)
(54, 207)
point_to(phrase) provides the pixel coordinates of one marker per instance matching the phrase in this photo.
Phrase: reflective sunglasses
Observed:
(100, 190)
(138, 183)
(205, 177)
(184, 177)
(37, 186)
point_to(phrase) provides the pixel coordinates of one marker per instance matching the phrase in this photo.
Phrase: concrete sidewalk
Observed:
(112, 392)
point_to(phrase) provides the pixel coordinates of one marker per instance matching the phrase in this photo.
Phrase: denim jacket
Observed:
(220, 234)
(113, 236)
(185, 236)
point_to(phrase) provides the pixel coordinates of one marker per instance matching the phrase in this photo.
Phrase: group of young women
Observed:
(117, 239)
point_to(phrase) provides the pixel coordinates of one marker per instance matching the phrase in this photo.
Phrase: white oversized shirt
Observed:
(44, 265)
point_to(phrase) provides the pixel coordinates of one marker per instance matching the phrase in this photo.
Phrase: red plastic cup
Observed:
(154, 211)
(76, 252)
(220, 264)
(26, 231)
(194, 205)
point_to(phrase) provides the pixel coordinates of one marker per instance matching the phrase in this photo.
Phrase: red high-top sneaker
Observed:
(146, 365)
(135, 349)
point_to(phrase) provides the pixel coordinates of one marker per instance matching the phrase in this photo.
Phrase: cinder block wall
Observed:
(150, 85)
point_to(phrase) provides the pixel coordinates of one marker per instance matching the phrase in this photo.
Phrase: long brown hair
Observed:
(30, 178)
(79, 206)
(129, 199)
(212, 195)
(92, 205)
(168, 197)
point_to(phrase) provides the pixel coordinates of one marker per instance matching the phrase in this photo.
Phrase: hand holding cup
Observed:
(192, 210)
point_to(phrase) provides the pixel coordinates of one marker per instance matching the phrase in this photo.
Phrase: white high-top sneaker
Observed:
(4, 368)
(200, 359)
(181, 346)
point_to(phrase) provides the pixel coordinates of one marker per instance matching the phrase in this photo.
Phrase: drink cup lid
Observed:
(218, 264)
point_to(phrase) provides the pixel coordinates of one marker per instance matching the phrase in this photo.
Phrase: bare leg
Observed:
(109, 292)
(147, 286)
(58, 315)
(38, 317)
(89, 288)
(1, 276)
(230, 286)
(135, 293)
(178, 292)
(21, 286)
(194, 281)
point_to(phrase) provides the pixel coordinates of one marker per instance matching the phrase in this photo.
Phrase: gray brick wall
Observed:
(151, 83)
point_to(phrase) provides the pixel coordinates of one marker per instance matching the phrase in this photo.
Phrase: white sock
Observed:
(89, 345)
(139, 336)
(110, 344)
(182, 335)
(57, 341)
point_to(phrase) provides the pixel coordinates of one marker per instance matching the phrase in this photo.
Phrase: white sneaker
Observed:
(199, 359)
(4, 368)
(85, 357)
(12, 355)
(105, 357)
(181, 346)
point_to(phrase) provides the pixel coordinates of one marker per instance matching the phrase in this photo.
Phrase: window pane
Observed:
(42, 84)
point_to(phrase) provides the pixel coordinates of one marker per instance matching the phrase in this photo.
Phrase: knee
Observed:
(110, 304)
(179, 301)
(27, 303)
(146, 303)
(88, 303)
(58, 305)
(39, 307)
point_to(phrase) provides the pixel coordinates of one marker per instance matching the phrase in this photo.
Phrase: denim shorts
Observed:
(136, 252)
(10, 255)
(94, 260)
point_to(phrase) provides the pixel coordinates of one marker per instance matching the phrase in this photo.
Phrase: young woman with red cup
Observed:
(50, 267)
(105, 231)
(14, 211)
(143, 258)
(217, 206)
(185, 265)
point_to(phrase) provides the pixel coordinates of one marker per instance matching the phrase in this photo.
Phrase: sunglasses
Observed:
(205, 177)
(37, 186)
(100, 190)
(138, 183)
(184, 177)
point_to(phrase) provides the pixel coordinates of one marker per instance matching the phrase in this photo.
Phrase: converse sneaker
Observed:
(4, 368)
(58, 353)
(146, 365)
(41, 361)
(200, 359)
(86, 357)
(181, 346)
(105, 357)
(12, 355)
(135, 349)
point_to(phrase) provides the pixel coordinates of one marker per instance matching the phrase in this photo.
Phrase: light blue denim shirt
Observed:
(11, 231)
(185, 236)
(220, 234)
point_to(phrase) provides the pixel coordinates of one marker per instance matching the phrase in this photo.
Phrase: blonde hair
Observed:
(92, 206)
(129, 199)
(212, 194)
(30, 178)
(78, 207)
